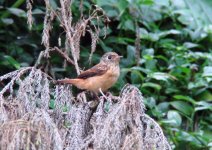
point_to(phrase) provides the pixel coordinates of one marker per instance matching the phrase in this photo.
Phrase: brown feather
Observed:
(96, 70)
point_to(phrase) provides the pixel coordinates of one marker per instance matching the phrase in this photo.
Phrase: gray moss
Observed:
(28, 122)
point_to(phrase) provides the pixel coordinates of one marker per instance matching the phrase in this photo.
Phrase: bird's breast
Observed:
(104, 81)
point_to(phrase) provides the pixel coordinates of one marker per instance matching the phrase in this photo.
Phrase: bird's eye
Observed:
(110, 57)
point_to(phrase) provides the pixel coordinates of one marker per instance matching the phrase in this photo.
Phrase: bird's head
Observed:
(111, 58)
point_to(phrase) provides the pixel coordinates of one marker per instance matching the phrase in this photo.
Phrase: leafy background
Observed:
(172, 38)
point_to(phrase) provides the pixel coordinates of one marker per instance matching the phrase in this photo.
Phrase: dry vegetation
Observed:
(28, 122)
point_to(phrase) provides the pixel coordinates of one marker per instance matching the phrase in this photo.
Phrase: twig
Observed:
(63, 55)
(40, 57)
(137, 44)
(66, 23)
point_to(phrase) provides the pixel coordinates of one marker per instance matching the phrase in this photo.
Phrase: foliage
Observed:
(174, 72)
(171, 63)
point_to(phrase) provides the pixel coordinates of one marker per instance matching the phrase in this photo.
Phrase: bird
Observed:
(100, 77)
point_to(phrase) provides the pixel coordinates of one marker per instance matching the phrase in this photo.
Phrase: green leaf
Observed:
(161, 76)
(140, 69)
(150, 102)
(205, 95)
(38, 11)
(186, 136)
(146, 2)
(112, 13)
(194, 13)
(150, 14)
(107, 106)
(162, 58)
(183, 107)
(12, 61)
(190, 45)
(186, 98)
(7, 21)
(128, 25)
(198, 84)
(136, 76)
(122, 5)
(104, 47)
(203, 106)
(169, 32)
(174, 117)
(52, 104)
(130, 56)
(53, 4)
(152, 85)
(207, 71)
(18, 12)
(163, 106)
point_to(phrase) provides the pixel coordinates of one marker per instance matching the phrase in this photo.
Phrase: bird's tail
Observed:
(79, 83)
(67, 81)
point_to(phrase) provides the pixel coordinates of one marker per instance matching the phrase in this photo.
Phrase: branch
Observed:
(64, 55)
(67, 27)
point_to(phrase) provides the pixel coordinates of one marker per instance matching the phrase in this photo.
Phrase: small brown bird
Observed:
(100, 77)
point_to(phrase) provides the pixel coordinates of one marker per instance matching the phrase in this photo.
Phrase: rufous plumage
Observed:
(100, 77)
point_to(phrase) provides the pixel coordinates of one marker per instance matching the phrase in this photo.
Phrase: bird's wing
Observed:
(96, 70)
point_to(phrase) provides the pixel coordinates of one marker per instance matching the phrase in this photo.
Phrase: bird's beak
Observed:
(118, 58)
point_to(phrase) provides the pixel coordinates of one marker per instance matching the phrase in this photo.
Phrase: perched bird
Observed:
(100, 77)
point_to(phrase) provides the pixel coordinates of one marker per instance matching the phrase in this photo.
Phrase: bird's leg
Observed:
(100, 90)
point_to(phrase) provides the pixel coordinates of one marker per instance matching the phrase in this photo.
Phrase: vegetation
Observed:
(166, 47)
